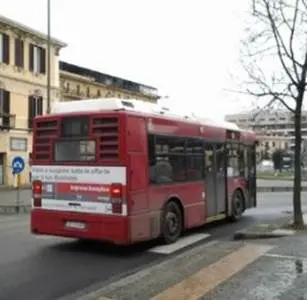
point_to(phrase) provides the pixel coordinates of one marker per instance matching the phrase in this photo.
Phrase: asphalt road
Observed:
(49, 268)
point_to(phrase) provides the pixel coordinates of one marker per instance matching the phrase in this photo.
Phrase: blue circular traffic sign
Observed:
(18, 164)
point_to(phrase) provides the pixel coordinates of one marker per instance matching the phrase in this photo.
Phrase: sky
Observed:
(184, 48)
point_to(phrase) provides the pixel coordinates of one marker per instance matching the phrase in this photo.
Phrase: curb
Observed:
(13, 209)
(262, 235)
(273, 229)
(262, 189)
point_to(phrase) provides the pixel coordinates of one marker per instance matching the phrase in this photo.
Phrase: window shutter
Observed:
(6, 49)
(19, 53)
(6, 109)
(31, 110)
(31, 57)
(39, 106)
(43, 61)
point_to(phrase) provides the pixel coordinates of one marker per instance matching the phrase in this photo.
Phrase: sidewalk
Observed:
(8, 201)
(280, 273)
(267, 185)
(218, 270)
(11, 188)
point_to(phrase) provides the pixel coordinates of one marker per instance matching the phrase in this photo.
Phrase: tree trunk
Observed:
(297, 208)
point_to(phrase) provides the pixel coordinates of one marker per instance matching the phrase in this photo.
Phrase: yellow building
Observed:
(81, 83)
(23, 90)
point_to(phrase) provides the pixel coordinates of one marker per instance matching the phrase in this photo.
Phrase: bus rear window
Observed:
(81, 150)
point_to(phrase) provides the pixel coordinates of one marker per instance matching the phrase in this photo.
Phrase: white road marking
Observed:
(180, 244)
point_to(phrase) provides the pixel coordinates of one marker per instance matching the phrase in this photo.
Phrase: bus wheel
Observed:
(237, 206)
(172, 223)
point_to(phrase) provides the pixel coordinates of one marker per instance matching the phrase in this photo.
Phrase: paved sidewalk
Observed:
(264, 185)
(279, 274)
(260, 269)
(8, 200)
(271, 269)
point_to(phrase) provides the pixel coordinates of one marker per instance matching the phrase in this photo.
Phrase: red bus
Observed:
(124, 172)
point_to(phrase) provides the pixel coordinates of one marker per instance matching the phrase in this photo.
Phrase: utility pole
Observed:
(48, 57)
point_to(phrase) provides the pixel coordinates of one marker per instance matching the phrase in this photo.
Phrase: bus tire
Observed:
(172, 222)
(237, 205)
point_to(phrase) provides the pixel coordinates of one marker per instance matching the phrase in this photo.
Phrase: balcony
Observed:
(72, 94)
(7, 121)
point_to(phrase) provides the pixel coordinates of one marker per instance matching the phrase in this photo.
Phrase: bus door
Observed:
(210, 180)
(220, 162)
(215, 182)
(251, 167)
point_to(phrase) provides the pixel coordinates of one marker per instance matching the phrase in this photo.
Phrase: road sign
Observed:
(18, 165)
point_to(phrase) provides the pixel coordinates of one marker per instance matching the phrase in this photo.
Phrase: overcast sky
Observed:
(184, 48)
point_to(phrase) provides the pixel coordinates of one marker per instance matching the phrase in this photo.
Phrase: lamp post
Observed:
(48, 57)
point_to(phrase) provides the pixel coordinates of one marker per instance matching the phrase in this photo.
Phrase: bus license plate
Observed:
(75, 225)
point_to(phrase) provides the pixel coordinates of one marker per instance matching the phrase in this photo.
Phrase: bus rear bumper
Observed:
(114, 229)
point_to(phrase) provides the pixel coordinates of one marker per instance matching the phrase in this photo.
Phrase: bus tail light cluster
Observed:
(116, 196)
(37, 189)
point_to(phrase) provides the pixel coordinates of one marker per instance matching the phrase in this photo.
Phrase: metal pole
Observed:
(48, 57)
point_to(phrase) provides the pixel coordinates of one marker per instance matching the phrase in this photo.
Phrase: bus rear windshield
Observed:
(75, 150)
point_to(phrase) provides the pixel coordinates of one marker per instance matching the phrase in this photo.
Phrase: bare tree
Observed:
(274, 56)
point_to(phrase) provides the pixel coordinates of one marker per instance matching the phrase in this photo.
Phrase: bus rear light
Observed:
(116, 190)
(37, 193)
(116, 197)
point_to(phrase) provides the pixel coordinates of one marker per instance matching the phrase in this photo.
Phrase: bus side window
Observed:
(151, 158)
(233, 160)
(160, 168)
(194, 159)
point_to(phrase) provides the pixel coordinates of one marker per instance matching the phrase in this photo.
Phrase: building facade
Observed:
(81, 83)
(275, 128)
(267, 144)
(23, 90)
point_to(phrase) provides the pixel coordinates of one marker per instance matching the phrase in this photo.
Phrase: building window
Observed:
(88, 92)
(19, 53)
(78, 89)
(37, 59)
(4, 48)
(35, 108)
(98, 93)
(5, 108)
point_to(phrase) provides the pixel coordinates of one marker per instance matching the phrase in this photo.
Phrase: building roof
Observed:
(110, 80)
(26, 29)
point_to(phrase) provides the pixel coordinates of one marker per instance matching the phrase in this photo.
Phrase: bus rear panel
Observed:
(79, 178)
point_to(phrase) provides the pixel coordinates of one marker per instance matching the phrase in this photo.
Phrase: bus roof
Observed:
(137, 106)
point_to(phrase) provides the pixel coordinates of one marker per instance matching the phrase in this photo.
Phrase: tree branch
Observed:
(278, 40)
(292, 37)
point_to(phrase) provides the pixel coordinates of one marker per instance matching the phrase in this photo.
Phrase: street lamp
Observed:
(48, 57)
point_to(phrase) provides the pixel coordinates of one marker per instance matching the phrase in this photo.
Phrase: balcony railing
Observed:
(7, 121)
